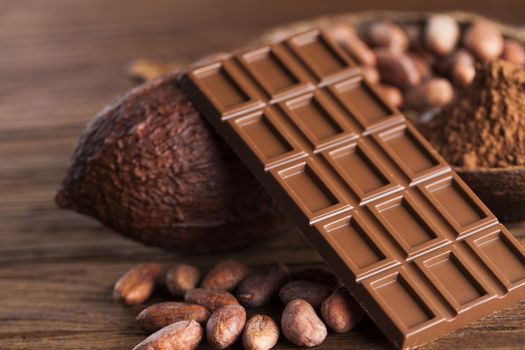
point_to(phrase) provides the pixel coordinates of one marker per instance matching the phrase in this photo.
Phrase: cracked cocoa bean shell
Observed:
(150, 168)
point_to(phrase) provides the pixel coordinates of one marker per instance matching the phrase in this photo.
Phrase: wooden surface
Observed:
(60, 62)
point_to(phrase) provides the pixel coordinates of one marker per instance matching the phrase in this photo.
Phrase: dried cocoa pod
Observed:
(260, 333)
(484, 39)
(259, 287)
(341, 312)
(137, 284)
(159, 315)
(514, 52)
(180, 278)
(150, 168)
(301, 325)
(388, 35)
(313, 293)
(182, 335)
(225, 326)
(212, 299)
(441, 34)
(318, 275)
(397, 69)
(226, 275)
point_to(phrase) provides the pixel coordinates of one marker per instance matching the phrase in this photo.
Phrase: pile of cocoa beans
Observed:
(214, 306)
(422, 66)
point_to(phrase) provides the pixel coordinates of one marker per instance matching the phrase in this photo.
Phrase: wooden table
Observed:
(60, 62)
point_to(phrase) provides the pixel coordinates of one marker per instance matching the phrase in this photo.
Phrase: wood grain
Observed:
(60, 62)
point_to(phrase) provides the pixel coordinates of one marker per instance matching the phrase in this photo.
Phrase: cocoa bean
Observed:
(182, 335)
(460, 67)
(441, 34)
(340, 32)
(359, 51)
(318, 275)
(387, 34)
(422, 65)
(301, 325)
(313, 293)
(370, 74)
(341, 312)
(226, 275)
(514, 52)
(397, 69)
(137, 284)
(437, 92)
(180, 278)
(484, 40)
(225, 326)
(259, 287)
(414, 33)
(260, 333)
(212, 299)
(391, 94)
(157, 316)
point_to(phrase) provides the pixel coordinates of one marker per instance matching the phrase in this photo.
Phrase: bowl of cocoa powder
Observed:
(482, 133)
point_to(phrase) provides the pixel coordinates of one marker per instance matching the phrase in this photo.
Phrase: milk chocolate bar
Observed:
(413, 244)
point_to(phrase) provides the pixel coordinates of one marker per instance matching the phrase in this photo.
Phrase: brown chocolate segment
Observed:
(407, 237)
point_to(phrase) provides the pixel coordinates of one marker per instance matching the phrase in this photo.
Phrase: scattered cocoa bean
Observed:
(436, 92)
(514, 52)
(225, 326)
(341, 312)
(414, 33)
(301, 325)
(340, 32)
(226, 275)
(260, 333)
(212, 299)
(137, 284)
(318, 275)
(157, 316)
(423, 67)
(397, 69)
(259, 287)
(180, 278)
(387, 34)
(391, 94)
(371, 74)
(441, 34)
(359, 51)
(313, 293)
(484, 40)
(182, 335)
(459, 66)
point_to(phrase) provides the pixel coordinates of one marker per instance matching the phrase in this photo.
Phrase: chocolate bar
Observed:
(408, 238)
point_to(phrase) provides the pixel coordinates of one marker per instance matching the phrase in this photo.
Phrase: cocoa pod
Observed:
(387, 34)
(341, 312)
(225, 326)
(484, 39)
(157, 316)
(313, 293)
(152, 169)
(301, 325)
(441, 34)
(212, 299)
(259, 287)
(391, 94)
(226, 275)
(437, 92)
(180, 278)
(514, 52)
(137, 284)
(318, 275)
(182, 335)
(397, 69)
(260, 333)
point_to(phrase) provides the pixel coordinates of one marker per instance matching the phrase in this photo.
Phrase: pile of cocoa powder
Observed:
(485, 126)
(215, 306)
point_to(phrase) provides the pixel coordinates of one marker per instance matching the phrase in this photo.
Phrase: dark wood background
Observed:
(60, 62)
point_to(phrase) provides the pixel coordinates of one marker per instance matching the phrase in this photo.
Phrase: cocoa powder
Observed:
(485, 126)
